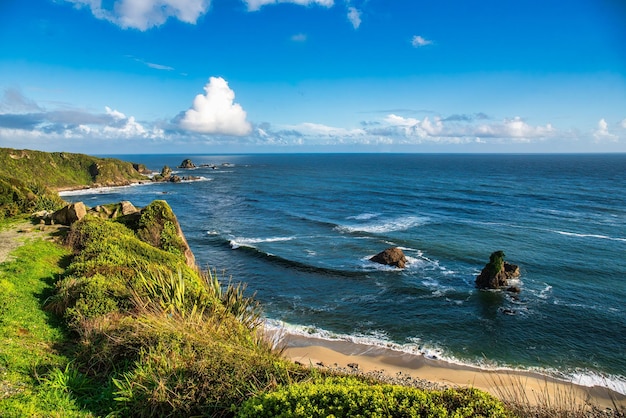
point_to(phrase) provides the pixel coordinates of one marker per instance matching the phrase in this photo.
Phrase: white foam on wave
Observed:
(597, 236)
(373, 338)
(364, 216)
(114, 189)
(101, 190)
(591, 379)
(391, 225)
(251, 242)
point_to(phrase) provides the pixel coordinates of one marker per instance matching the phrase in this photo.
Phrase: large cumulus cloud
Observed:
(216, 112)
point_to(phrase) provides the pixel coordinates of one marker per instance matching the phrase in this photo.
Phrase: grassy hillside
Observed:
(62, 170)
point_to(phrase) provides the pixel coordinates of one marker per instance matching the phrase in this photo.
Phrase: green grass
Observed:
(34, 342)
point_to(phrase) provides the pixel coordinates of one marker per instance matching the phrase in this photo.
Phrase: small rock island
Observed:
(392, 256)
(497, 274)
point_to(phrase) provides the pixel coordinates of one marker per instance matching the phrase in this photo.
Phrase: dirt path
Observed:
(11, 238)
(15, 235)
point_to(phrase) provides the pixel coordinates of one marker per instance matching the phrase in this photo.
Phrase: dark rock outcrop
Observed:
(497, 273)
(187, 163)
(69, 214)
(392, 256)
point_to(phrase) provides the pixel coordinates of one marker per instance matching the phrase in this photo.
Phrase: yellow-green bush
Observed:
(349, 397)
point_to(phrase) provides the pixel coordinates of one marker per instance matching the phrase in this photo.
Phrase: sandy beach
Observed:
(415, 370)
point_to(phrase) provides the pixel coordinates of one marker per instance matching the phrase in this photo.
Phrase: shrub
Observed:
(17, 197)
(111, 267)
(349, 397)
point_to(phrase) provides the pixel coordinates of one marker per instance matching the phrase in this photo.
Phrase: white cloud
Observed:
(624, 124)
(254, 5)
(411, 127)
(299, 37)
(603, 134)
(114, 113)
(514, 128)
(354, 16)
(419, 41)
(215, 112)
(320, 130)
(438, 130)
(145, 14)
(159, 66)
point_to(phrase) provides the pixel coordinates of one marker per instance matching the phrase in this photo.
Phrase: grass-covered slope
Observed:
(62, 170)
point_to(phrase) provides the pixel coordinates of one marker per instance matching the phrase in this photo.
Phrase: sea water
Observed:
(300, 229)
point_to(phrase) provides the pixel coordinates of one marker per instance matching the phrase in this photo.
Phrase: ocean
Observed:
(299, 229)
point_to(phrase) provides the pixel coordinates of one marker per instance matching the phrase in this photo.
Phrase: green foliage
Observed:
(196, 369)
(496, 263)
(17, 197)
(349, 397)
(112, 263)
(246, 309)
(157, 227)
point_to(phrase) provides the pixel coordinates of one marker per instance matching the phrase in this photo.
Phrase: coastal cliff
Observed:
(63, 170)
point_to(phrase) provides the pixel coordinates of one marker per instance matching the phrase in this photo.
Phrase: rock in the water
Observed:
(187, 163)
(497, 273)
(392, 256)
(69, 214)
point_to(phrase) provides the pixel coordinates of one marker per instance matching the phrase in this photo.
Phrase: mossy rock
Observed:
(159, 227)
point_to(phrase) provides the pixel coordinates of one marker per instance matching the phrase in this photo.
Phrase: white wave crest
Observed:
(590, 379)
(251, 242)
(101, 190)
(398, 224)
(364, 216)
(597, 236)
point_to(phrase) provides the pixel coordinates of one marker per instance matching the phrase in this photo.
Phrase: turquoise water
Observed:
(299, 229)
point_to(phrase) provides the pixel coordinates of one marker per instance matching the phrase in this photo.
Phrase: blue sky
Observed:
(222, 76)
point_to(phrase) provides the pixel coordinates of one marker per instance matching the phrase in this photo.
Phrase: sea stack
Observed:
(497, 273)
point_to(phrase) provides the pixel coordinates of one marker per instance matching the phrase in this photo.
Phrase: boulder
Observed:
(187, 163)
(127, 208)
(69, 214)
(497, 273)
(392, 256)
